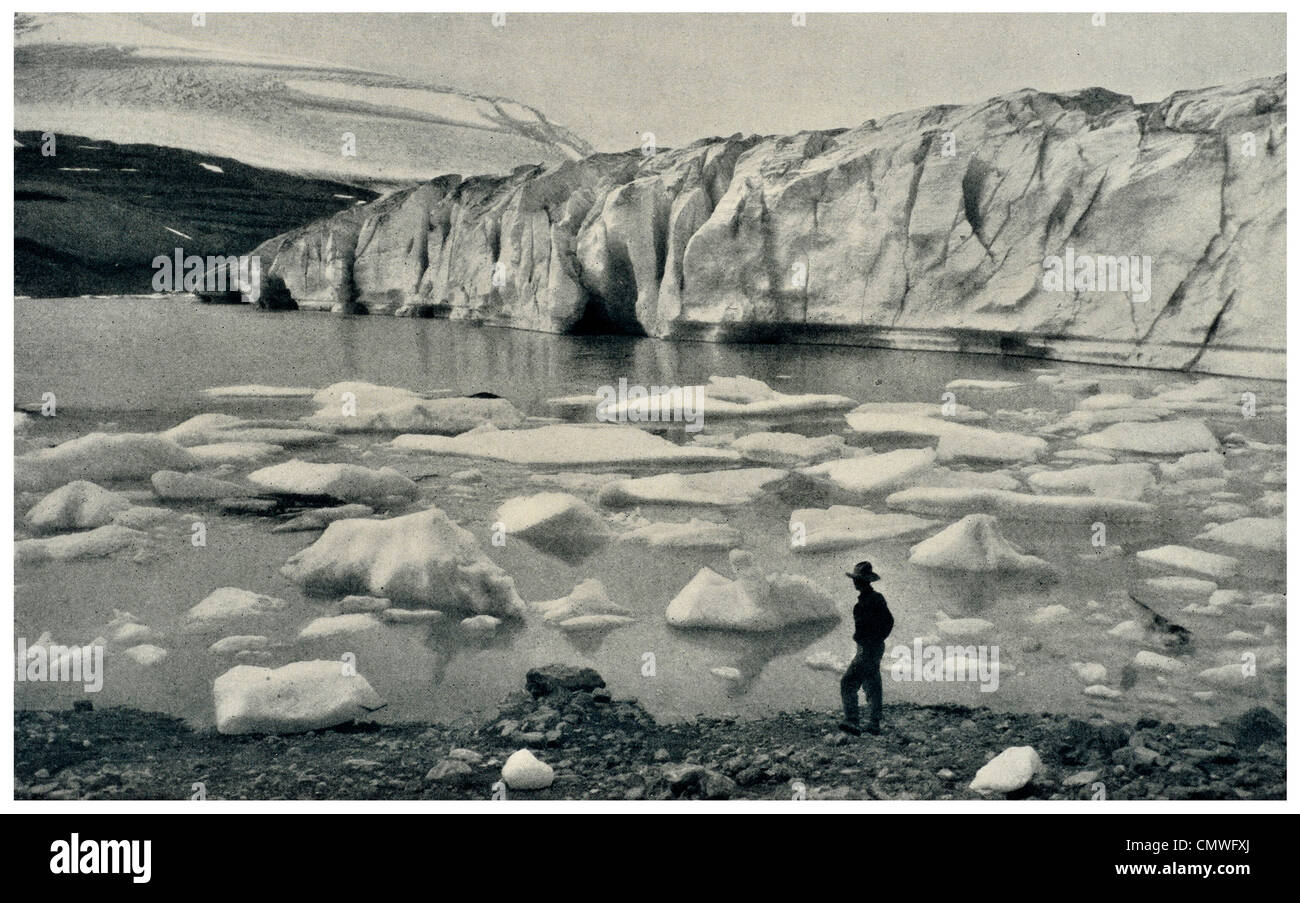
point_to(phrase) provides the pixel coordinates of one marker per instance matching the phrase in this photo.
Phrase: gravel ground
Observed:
(608, 749)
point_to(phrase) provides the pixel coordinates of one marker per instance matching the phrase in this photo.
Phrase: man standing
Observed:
(872, 622)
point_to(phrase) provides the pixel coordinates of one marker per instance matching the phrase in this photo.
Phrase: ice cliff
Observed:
(927, 229)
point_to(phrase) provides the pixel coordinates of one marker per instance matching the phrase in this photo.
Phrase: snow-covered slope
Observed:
(107, 77)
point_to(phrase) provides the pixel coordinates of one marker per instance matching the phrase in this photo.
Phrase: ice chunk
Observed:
(77, 506)
(1008, 771)
(788, 449)
(1173, 437)
(750, 602)
(1121, 481)
(301, 696)
(555, 522)
(229, 603)
(218, 429)
(352, 407)
(422, 558)
(961, 628)
(588, 607)
(97, 543)
(1183, 558)
(845, 526)
(826, 661)
(1090, 672)
(719, 487)
(694, 534)
(724, 396)
(957, 441)
(1182, 586)
(1260, 534)
(100, 457)
(236, 453)
(339, 625)
(345, 482)
(320, 518)
(974, 543)
(1197, 464)
(1050, 614)
(145, 654)
(1051, 508)
(233, 645)
(565, 444)
(1154, 661)
(986, 385)
(875, 473)
(172, 485)
(481, 624)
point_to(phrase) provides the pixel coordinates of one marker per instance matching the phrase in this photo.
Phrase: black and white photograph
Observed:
(702, 409)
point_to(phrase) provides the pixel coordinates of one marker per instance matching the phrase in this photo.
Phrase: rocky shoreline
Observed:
(599, 748)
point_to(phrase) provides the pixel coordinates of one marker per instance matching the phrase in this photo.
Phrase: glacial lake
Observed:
(135, 364)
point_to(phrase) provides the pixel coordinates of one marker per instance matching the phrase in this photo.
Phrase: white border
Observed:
(7, 802)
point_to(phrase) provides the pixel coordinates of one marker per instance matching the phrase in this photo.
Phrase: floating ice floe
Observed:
(588, 607)
(320, 518)
(1231, 677)
(97, 543)
(254, 391)
(984, 385)
(968, 479)
(1173, 437)
(961, 628)
(565, 444)
(345, 482)
(724, 396)
(1121, 481)
(1008, 771)
(751, 602)
(301, 696)
(524, 771)
(100, 457)
(480, 624)
(230, 603)
(845, 526)
(1196, 464)
(233, 645)
(694, 534)
(352, 407)
(172, 485)
(729, 674)
(560, 524)
(410, 615)
(959, 413)
(1101, 691)
(1090, 672)
(1259, 534)
(423, 558)
(957, 441)
(1050, 614)
(339, 626)
(79, 505)
(145, 654)
(219, 429)
(789, 449)
(1016, 505)
(1183, 558)
(875, 473)
(715, 488)
(349, 605)
(235, 453)
(1154, 661)
(125, 628)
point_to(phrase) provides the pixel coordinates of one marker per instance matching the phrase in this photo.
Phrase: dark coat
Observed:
(872, 620)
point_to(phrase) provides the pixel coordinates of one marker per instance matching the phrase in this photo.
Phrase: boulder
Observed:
(524, 771)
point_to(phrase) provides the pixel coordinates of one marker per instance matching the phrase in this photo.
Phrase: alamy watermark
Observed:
(49, 663)
(180, 272)
(651, 404)
(1085, 273)
(934, 663)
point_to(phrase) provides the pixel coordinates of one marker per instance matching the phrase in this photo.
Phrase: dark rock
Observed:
(1256, 726)
(452, 771)
(83, 705)
(549, 678)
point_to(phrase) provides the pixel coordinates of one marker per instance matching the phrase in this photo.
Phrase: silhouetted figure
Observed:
(872, 623)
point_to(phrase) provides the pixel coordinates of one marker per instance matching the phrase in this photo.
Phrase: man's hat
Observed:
(862, 571)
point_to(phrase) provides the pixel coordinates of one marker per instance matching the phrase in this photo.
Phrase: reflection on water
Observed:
(139, 364)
